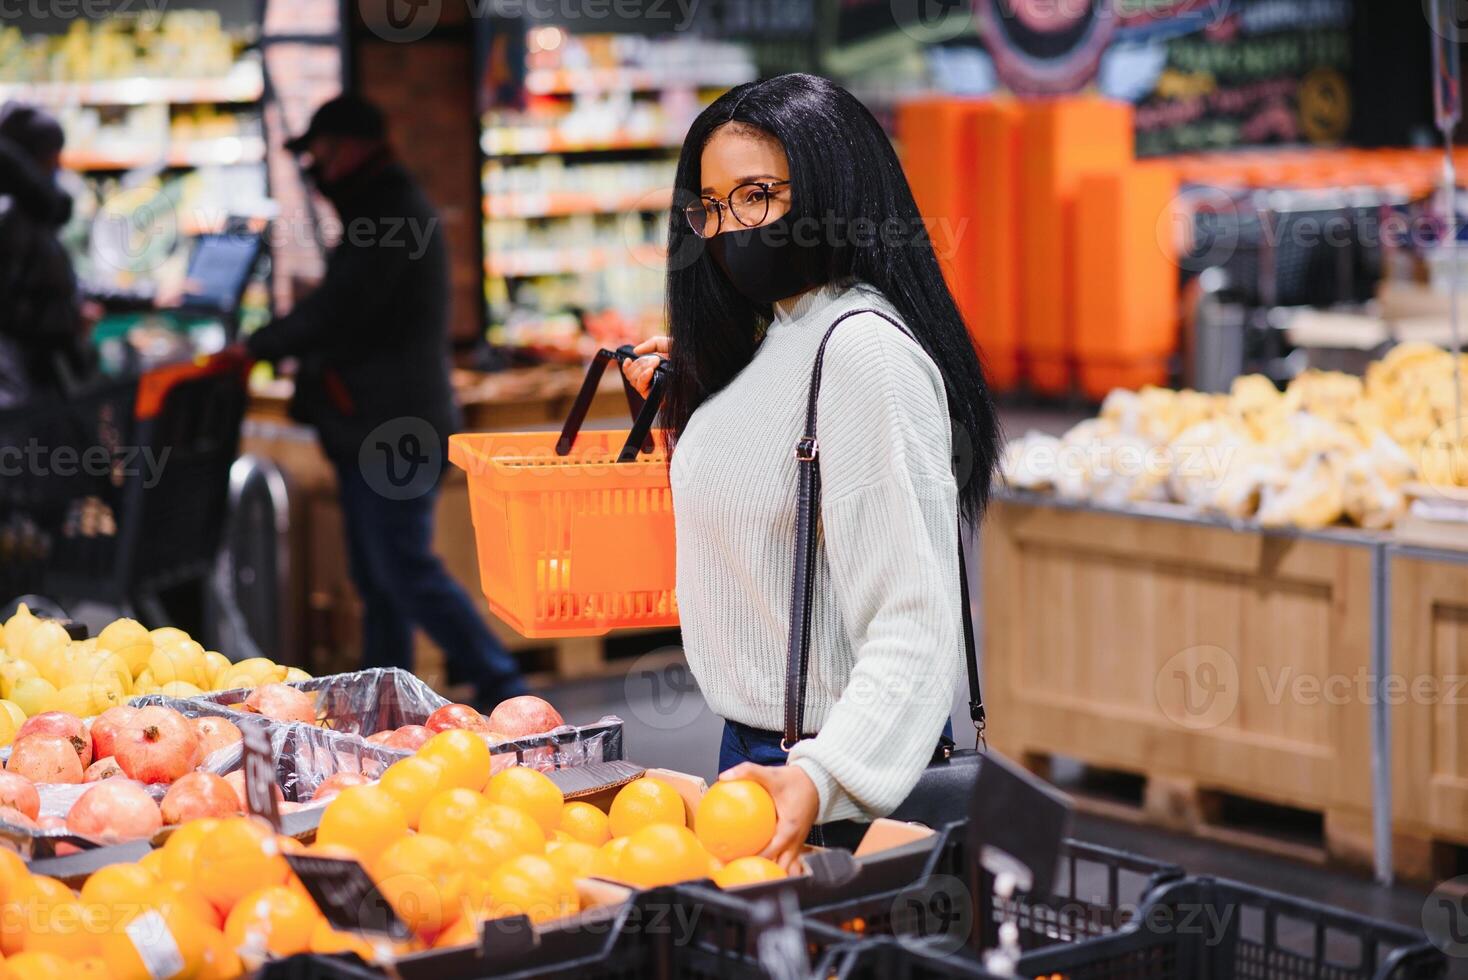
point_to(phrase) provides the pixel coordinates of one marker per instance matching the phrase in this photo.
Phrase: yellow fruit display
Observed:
(735, 818)
(129, 640)
(34, 695)
(363, 819)
(662, 854)
(585, 823)
(412, 782)
(572, 857)
(531, 886)
(747, 871)
(464, 756)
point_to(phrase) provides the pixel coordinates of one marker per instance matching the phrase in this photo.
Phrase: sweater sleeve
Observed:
(889, 516)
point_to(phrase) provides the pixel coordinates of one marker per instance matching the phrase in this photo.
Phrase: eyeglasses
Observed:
(749, 203)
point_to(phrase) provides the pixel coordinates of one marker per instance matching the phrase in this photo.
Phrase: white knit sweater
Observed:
(886, 633)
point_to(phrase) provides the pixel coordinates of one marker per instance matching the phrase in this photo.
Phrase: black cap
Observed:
(33, 130)
(345, 115)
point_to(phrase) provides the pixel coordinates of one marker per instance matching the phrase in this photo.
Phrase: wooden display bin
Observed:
(1190, 654)
(1429, 638)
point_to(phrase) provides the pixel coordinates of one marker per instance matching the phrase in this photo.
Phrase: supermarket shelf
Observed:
(566, 261)
(556, 205)
(528, 140)
(245, 84)
(570, 81)
(217, 152)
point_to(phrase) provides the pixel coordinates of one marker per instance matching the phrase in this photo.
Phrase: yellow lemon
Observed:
(181, 689)
(215, 664)
(34, 695)
(75, 699)
(14, 672)
(167, 636)
(129, 640)
(8, 727)
(56, 667)
(17, 628)
(180, 662)
(13, 710)
(294, 674)
(46, 643)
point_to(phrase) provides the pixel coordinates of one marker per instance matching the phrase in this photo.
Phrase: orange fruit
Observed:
(167, 930)
(464, 932)
(121, 884)
(192, 900)
(239, 857)
(181, 848)
(327, 941)
(413, 782)
(662, 854)
(35, 966)
(219, 960)
(735, 819)
(517, 823)
(153, 861)
(530, 790)
(573, 857)
(485, 846)
(585, 823)
(89, 968)
(365, 819)
(422, 877)
(532, 886)
(607, 863)
(747, 871)
(271, 920)
(464, 756)
(643, 802)
(27, 909)
(449, 812)
(68, 929)
(12, 869)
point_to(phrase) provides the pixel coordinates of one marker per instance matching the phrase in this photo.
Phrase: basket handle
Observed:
(644, 411)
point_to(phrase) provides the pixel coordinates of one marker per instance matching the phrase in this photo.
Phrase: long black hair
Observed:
(844, 174)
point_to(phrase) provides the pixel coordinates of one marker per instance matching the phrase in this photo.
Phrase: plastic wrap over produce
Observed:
(367, 702)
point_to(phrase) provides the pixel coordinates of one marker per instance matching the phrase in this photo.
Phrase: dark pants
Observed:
(744, 744)
(402, 584)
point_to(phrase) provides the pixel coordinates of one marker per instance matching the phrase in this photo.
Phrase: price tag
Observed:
(155, 945)
(346, 895)
(259, 775)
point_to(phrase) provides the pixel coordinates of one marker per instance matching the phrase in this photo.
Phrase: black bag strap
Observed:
(644, 411)
(807, 514)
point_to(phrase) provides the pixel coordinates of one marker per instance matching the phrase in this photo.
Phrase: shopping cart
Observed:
(133, 492)
(575, 530)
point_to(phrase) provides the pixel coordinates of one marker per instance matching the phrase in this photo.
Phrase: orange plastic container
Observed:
(578, 545)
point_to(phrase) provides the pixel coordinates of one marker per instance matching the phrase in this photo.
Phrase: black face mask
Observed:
(766, 264)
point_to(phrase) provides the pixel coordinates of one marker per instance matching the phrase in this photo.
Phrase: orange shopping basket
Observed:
(575, 530)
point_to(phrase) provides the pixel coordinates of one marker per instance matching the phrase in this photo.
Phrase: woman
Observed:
(793, 210)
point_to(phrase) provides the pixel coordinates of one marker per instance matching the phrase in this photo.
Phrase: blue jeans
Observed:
(402, 583)
(742, 743)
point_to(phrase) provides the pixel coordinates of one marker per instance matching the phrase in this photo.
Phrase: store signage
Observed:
(259, 772)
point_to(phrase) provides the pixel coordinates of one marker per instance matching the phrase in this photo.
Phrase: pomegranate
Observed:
(457, 716)
(161, 748)
(12, 816)
(199, 794)
(283, 703)
(19, 793)
(525, 715)
(334, 784)
(215, 734)
(69, 727)
(107, 727)
(103, 769)
(115, 810)
(236, 781)
(409, 737)
(381, 737)
(45, 759)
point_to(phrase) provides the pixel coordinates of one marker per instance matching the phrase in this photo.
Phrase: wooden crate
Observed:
(1098, 624)
(1429, 637)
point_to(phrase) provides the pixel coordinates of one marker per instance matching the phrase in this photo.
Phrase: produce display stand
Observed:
(1191, 651)
(1428, 599)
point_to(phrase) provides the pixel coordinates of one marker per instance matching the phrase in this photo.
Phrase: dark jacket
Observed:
(43, 338)
(373, 340)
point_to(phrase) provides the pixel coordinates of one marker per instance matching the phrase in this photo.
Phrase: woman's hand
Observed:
(796, 806)
(651, 354)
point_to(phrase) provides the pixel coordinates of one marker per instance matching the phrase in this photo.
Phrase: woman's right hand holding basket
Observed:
(650, 353)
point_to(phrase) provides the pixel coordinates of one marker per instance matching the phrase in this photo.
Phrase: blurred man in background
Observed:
(44, 325)
(372, 345)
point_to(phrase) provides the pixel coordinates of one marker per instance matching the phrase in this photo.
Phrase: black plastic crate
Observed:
(1205, 928)
(1097, 890)
(886, 958)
